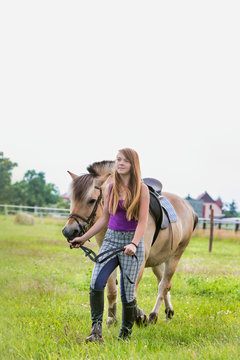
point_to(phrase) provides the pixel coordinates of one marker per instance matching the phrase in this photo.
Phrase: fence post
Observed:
(6, 211)
(236, 227)
(211, 228)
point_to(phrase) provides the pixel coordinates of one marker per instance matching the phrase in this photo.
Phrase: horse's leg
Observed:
(158, 272)
(165, 283)
(112, 298)
(141, 318)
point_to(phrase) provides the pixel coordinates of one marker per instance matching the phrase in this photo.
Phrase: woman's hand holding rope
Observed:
(130, 249)
(77, 242)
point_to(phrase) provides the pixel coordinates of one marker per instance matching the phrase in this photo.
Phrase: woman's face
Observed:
(123, 165)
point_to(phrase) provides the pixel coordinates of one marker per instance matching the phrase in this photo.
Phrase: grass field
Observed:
(45, 310)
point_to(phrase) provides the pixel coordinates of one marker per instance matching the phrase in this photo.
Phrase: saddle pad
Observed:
(169, 209)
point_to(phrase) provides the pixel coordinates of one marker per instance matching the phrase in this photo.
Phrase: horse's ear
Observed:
(73, 176)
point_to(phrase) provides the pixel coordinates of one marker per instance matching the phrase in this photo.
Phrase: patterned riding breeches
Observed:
(129, 265)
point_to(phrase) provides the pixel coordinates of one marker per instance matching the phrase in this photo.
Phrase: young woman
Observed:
(125, 213)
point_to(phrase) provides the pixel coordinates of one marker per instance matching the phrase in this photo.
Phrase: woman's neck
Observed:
(125, 179)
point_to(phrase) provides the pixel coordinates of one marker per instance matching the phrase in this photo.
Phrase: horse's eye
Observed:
(91, 202)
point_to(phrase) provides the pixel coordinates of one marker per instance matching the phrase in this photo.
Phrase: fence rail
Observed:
(204, 223)
(224, 223)
(36, 210)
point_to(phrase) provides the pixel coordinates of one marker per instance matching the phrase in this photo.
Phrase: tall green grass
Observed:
(45, 312)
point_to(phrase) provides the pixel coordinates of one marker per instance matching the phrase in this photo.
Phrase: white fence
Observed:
(36, 210)
(225, 223)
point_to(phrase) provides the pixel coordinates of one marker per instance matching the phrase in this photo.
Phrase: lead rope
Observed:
(95, 258)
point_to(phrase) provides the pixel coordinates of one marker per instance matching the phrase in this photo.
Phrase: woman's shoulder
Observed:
(144, 190)
(144, 187)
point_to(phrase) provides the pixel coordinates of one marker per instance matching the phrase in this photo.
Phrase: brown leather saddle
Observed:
(158, 212)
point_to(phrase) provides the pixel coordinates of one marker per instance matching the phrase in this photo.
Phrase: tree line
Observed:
(32, 190)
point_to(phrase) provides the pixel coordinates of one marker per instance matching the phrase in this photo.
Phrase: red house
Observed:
(208, 202)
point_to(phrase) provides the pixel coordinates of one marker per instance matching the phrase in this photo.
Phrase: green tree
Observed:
(35, 188)
(19, 191)
(62, 204)
(51, 194)
(34, 191)
(230, 209)
(233, 209)
(6, 167)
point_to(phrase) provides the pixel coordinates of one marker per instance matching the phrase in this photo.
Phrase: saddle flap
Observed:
(155, 208)
(165, 220)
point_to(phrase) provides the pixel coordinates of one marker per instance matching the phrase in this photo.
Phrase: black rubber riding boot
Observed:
(97, 306)
(128, 316)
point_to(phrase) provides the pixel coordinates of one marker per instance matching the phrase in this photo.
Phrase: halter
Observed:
(91, 218)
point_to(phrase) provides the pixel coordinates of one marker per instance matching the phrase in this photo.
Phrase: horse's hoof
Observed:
(153, 318)
(111, 321)
(141, 320)
(169, 313)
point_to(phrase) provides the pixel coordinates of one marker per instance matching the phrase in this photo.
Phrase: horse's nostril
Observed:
(69, 233)
(75, 234)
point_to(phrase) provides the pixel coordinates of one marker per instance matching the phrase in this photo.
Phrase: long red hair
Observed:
(133, 190)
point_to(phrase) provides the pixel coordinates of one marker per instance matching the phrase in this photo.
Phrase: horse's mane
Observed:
(101, 168)
(81, 185)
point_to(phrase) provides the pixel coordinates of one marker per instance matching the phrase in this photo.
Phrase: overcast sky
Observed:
(81, 79)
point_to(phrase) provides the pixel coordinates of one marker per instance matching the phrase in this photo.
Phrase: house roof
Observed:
(196, 204)
(206, 198)
(219, 203)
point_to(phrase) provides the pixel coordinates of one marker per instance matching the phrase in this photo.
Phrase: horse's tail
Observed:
(195, 220)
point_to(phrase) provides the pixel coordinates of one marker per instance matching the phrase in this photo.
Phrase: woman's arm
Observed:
(142, 221)
(100, 224)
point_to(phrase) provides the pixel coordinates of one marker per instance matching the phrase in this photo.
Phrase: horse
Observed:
(163, 256)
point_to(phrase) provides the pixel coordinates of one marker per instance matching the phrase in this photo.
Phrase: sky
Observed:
(80, 80)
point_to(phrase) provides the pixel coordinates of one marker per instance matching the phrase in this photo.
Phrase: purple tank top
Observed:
(119, 221)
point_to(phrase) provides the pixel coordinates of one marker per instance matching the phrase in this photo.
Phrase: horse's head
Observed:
(87, 198)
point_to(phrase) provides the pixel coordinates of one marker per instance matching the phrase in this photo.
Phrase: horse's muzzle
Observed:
(70, 232)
